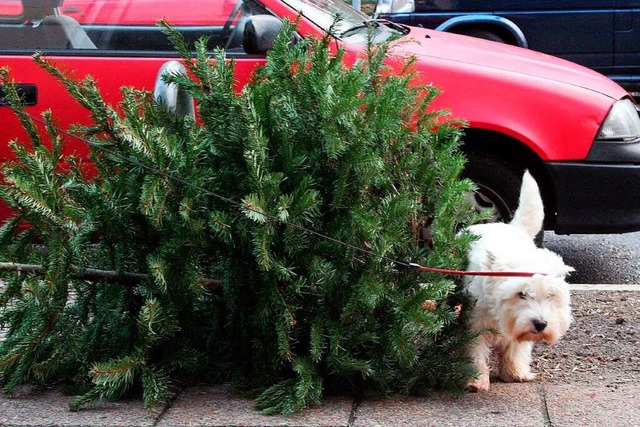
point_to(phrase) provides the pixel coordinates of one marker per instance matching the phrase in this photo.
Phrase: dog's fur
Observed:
(511, 313)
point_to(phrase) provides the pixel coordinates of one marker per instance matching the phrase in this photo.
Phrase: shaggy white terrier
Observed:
(511, 313)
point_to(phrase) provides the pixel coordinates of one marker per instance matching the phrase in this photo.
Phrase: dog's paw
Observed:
(479, 384)
(522, 377)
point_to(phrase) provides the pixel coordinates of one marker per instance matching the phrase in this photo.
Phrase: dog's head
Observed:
(531, 308)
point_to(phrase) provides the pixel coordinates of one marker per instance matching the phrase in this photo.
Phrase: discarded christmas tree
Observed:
(264, 245)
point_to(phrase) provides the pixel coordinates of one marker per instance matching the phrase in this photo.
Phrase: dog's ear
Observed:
(489, 261)
(555, 264)
(494, 262)
(567, 270)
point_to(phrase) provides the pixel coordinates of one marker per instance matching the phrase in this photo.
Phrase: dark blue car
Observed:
(601, 34)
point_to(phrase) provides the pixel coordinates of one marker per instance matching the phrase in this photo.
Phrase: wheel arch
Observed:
(504, 28)
(493, 143)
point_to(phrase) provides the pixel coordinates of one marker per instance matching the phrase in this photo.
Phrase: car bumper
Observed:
(596, 197)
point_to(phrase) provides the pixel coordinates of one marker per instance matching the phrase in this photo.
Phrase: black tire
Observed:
(498, 181)
(481, 34)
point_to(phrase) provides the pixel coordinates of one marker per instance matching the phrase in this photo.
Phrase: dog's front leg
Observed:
(480, 352)
(515, 362)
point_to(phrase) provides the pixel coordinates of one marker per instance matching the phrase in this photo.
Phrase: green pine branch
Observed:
(292, 197)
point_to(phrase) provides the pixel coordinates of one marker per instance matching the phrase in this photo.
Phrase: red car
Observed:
(577, 131)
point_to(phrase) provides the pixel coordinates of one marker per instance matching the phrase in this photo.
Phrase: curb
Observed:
(604, 287)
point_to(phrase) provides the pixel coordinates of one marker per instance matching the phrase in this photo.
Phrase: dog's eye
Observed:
(523, 295)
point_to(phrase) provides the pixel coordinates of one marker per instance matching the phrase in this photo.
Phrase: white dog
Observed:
(511, 313)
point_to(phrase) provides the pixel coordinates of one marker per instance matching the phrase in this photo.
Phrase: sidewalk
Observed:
(534, 404)
(541, 403)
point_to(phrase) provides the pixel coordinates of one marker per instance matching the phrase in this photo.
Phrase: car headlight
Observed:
(622, 124)
(395, 6)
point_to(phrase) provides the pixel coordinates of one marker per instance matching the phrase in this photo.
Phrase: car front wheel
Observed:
(498, 181)
(481, 34)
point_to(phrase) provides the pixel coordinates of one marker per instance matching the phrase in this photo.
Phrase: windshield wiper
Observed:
(373, 23)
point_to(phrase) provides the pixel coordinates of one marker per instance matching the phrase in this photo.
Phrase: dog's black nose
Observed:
(539, 325)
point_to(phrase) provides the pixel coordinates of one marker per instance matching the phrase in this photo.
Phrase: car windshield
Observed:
(343, 21)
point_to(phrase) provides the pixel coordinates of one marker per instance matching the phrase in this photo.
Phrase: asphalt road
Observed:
(599, 259)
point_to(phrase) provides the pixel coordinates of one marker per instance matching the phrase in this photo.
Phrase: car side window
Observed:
(10, 9)
(33, 24)
(116, 27)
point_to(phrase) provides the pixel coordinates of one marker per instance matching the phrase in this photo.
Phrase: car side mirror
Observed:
(171, 95)
(260, 32)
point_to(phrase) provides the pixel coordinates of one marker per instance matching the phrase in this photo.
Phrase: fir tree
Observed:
(257, 246)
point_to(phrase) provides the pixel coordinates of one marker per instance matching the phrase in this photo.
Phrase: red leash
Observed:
(472, 273)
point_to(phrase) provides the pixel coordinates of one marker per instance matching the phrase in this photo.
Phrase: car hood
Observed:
(425, 44)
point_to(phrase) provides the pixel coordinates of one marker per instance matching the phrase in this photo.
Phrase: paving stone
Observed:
(516, 405)
(32, 407)
(220, 406)
(588, 405)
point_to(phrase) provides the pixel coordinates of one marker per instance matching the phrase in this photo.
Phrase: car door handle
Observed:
(28, 93)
